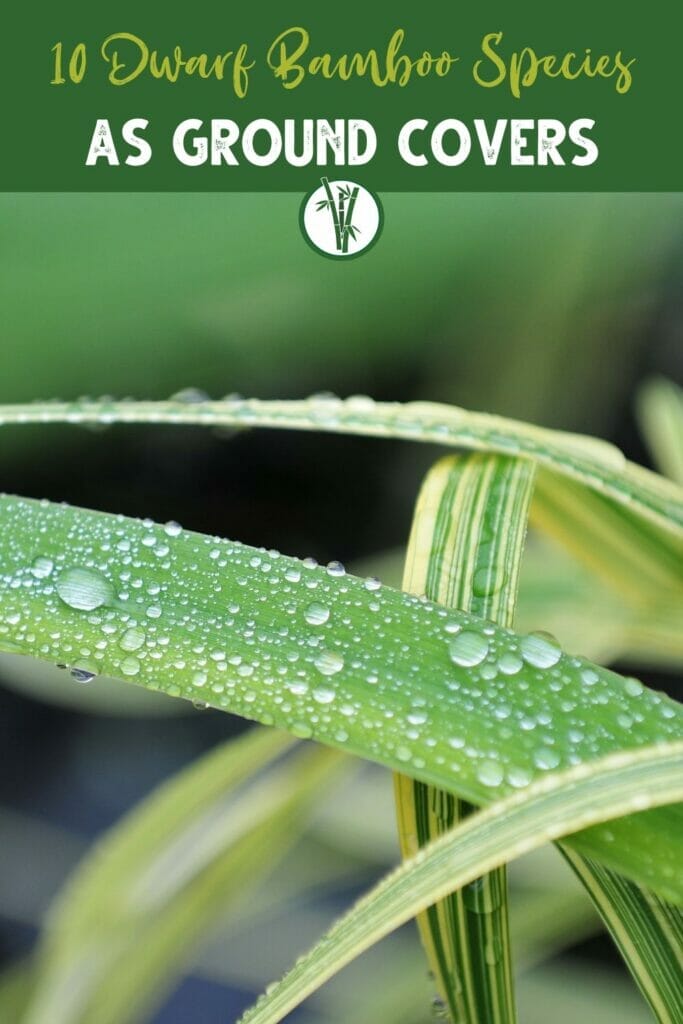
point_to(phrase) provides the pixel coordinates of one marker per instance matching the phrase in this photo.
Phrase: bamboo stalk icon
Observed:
(340, 212)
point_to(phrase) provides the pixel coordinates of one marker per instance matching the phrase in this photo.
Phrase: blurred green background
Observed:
(550, 308)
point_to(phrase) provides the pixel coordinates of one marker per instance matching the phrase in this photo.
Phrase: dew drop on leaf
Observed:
(468, 648)
(132, 639)
(323, 695)
(329, 663)
(490, 773)
(82, 672)
(316, 614)
(540, 650)
(546, 759)
(84, 589)
(42, 567)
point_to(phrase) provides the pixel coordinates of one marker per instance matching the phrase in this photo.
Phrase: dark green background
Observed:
(47, 129)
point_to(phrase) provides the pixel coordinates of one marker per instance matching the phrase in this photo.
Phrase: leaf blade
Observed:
(125, 922)
(487, 839)
(217, 592)
(465, 552)
(596, 464)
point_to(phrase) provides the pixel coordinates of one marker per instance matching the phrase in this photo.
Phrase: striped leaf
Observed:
(647, 932)
(465, 551)
(545, 811)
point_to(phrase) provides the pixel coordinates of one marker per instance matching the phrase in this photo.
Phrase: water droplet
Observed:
(417, 717)
(540, 650)
(302, 730)
(83, 672)
(329, 663)
(84, 589)
(335, 569)
(490, 773)
(372, 583)
(492, 952)
(468, 648)
(546, 759)
(323, 695)
(633, 688)
(509, 664)
(485, 584)
(316, 614)
(173, 529)
(130, 666)
(481, 897)
(132, 639)
(42, 567)
(518, 777)
(190, 396)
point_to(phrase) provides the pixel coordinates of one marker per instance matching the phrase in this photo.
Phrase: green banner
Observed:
(418, 97)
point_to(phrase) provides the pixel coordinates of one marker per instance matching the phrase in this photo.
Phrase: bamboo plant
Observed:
(341, 212)
(500, 741)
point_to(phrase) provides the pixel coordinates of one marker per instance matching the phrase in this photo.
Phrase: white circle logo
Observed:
(341, 219)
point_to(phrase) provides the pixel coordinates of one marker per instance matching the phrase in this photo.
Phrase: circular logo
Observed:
(341, 219)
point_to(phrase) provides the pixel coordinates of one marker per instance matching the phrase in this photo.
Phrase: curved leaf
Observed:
(328, 656)
(547, 810)
(595, 463)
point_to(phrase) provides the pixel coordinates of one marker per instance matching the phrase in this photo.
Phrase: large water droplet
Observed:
(329, 663)
(485, 583)
(540, 650)
(490, 773)
(83, 672)
(509, 664)
(132, 639)
(316, 614)
(323, 695)
(468, 648)
(546, 758)
(84, 589)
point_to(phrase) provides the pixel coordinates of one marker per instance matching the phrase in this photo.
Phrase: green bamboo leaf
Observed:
(597, 464)
(660, 411)
(465, 552)
(583, 612)
(648, 933)
(325, 655)
(549, 809)
(135, 907)
(446, 573)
